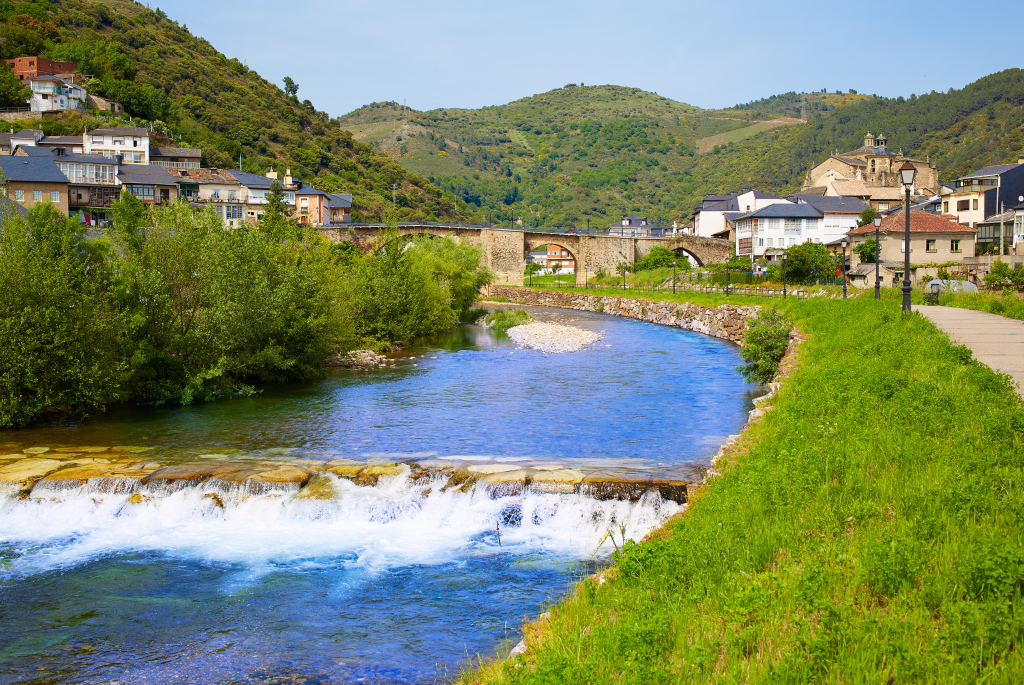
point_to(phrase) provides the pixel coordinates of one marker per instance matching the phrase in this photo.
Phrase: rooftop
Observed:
(204, 176)
(31, 169)
(994, 170)
(145, 173)
(920, 222)
(175, 152)
(787, 210)
(250, 180)
(834, 205)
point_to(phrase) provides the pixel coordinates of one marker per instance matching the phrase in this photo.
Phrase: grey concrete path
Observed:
(996, 341)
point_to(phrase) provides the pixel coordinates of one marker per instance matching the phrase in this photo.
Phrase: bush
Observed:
(504, 319)
(766, 339)
(658, 258)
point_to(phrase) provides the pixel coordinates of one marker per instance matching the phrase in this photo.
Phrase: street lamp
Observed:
(727, 279)
(783, 258)
(907, 173)
(673, 277)
(843, 243)
(878, 250)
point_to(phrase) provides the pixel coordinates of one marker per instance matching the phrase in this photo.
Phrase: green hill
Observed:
(200, 97)
(588, 154)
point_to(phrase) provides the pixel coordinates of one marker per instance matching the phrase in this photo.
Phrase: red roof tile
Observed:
(920, 222)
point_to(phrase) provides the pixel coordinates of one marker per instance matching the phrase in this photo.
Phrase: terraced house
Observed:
(30, 181)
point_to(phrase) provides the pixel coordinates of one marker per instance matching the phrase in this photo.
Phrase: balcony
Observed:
(175, 165)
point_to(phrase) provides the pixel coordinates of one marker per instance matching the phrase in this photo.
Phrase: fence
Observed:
(773, 290)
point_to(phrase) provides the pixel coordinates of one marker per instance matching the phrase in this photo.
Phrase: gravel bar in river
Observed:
(552, 337)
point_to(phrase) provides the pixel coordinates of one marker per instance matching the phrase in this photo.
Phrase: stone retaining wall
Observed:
(725, 321)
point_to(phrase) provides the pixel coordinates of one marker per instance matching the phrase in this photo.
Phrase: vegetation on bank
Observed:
(171, 307)
(504, 319)
(867, 530)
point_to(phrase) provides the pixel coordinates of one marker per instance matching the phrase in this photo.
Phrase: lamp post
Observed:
(844, 267)
(673, 277)
(783, 258)
(878, 250)
(727, 279)
(907, 173)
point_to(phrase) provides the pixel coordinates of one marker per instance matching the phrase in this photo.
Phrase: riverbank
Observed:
(867, 530)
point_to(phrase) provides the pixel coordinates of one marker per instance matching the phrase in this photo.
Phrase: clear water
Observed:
(401, 582)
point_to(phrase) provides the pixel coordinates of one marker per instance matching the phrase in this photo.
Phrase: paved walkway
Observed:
(996, 341)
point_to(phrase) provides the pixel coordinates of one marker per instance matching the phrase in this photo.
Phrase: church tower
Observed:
(869, 140)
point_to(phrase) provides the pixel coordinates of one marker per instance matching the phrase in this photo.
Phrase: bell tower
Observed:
(869, 140)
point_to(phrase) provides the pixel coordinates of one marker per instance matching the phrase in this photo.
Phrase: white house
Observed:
(710, 217)
(131, 143)
(54, 94)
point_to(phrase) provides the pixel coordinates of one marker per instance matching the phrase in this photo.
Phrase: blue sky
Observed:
(459, 53)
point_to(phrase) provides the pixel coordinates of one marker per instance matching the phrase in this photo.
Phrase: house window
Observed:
(19, 195)
(903, 246)
(54, 196)
(954, 245)
(37, 196)
(975, 204)
(140, 191)
(773, 224)
(963, 205)
(769, 242)
(882, 206)
(118, 141)
(233, 212)
(929, 246)
(945, 208)
(792, 227)
(97, 139)
(812, 224)
(760, 242)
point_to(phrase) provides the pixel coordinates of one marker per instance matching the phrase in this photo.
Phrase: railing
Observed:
(176, 165)
(6, 110)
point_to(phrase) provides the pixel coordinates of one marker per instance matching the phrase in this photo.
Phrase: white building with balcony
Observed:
(54, 94)
(131, 143)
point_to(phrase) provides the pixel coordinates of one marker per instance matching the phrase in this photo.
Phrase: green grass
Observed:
(566, 280)
(504, 319)
(1008, 305)
(868, 530)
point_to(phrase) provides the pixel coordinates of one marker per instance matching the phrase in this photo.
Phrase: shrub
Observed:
(504, 319)
(766, 339)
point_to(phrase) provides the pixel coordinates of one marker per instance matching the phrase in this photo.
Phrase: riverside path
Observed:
(996, 341)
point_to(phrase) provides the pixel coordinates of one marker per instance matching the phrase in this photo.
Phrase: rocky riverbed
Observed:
(553, 337)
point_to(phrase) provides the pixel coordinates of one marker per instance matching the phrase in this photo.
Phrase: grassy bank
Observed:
(1009, 305)
(867, 530)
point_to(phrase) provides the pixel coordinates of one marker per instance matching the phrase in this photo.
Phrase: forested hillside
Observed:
(200, 97)
(588, 154)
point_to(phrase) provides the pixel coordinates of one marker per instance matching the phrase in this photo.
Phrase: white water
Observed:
(395, 523)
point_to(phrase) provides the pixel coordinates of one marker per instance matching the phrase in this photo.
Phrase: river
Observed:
(400, 582)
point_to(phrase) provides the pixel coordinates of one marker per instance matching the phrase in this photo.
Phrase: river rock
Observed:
(321, 486)
(36, 450)
(26, 470)
(552, 338)
(562, 481)
(371, 474)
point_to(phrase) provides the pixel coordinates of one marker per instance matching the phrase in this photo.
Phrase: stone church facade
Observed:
(875, 165)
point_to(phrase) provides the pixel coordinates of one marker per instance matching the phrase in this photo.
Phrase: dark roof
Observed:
(305, 189)
(835, 205)
(61, 140)
(32, 169)
(250, 180)
(145, 173)
(851, 160)
(221, 176)
(175, 152)
(758, 195)
(26, 133)
(1018, 207)
(816, 190)
(51, 152)
(117, 131)
(787, 210)
(341, 199)
(994, 170)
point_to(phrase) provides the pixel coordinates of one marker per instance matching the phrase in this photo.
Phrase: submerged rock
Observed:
(320, 486)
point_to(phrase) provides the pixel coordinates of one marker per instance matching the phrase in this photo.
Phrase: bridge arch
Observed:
(682, 251)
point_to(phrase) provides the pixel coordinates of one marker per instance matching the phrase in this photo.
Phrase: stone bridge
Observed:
(505, 249)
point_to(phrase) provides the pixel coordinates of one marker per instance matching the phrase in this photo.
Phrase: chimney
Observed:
(1020, 160)
(288, 177)
(271, 174)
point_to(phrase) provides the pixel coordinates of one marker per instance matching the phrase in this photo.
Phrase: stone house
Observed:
(33, 180)
(934, 239)
(873, 164)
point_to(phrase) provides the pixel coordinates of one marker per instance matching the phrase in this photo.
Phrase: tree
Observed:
(130, 216)
(291, 88)
(866, 217)
(810, 261)
(276, 220)
(13, 93)
(622, 270)
(556, 267)
(532, 268)
(659, 257)
(866, 250)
